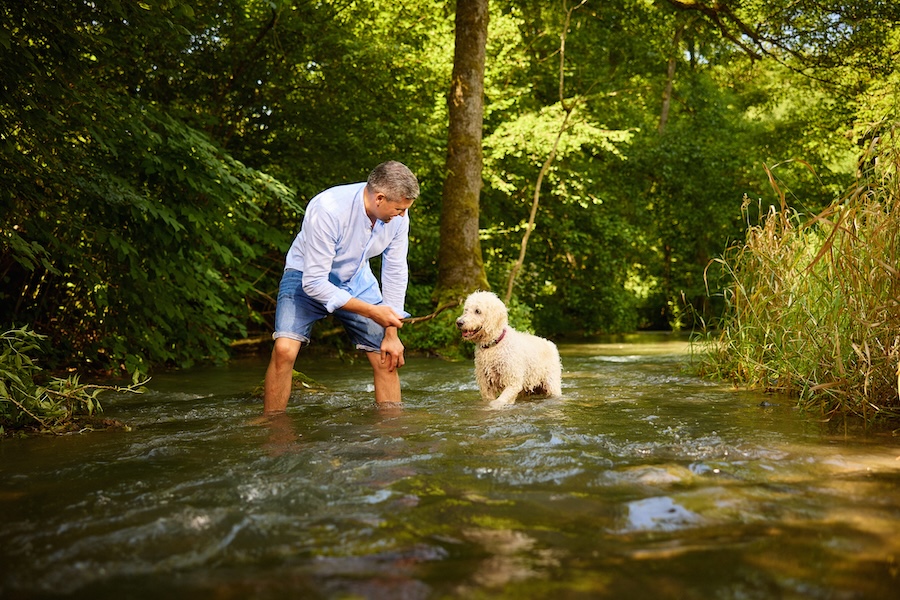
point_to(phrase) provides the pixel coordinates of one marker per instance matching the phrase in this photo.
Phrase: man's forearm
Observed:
(382, 314)
(355, 305)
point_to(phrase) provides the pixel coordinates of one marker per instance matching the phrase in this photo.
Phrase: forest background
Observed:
(156, 155)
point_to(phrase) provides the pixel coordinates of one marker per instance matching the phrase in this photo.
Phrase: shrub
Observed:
(813, 308)
(56, 406)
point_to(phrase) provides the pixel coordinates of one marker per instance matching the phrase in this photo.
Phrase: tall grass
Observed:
(813, 306)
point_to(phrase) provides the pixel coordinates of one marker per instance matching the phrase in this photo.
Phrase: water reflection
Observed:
(641, 481)
(283, 437)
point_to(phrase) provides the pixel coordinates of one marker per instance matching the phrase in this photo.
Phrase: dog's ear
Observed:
(495, 318)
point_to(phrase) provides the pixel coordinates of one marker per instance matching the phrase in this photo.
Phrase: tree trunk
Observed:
(670, 80)
(460, 265)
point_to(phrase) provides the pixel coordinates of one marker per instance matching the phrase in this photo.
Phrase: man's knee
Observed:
(285, 351)
(381, 368)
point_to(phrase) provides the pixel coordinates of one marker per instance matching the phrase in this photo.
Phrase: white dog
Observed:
(507, 362)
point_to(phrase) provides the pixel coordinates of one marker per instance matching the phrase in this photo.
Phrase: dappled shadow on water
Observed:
(640, 482)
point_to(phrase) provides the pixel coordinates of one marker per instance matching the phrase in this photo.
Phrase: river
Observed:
(642, 481)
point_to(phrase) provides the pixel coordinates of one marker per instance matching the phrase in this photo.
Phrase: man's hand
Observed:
(392, 349)
(385, 316)
(391, 346)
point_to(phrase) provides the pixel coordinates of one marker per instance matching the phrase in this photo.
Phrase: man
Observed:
(327, 272)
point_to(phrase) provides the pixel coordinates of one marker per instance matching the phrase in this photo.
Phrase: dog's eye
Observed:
(477, 311)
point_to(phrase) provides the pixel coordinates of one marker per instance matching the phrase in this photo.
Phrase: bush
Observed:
(54, 407)
(813, 308)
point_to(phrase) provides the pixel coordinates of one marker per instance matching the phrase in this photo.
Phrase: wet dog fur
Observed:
(508, 363)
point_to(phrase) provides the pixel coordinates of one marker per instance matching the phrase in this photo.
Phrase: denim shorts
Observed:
(295, 314)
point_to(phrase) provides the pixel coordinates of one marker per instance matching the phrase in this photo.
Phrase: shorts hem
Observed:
(291, 336)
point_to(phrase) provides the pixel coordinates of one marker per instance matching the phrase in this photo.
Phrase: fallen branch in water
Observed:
(254, 341)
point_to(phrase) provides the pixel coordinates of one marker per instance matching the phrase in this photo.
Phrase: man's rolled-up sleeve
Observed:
(321, 234)
(395, 271)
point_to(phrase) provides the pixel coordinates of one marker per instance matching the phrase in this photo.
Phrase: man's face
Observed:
(386, 209)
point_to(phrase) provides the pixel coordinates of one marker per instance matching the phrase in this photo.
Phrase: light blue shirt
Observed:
(334, 246)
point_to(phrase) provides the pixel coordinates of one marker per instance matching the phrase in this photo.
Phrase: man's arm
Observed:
(382, 314)
(391, 346)
(321, 230)
(394, 268)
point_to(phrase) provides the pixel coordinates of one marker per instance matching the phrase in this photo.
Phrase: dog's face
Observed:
(483, 318)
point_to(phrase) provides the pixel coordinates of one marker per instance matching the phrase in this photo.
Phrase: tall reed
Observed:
(813, 308)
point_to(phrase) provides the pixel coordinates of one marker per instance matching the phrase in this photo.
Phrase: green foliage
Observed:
(631, 212)
(155, 156)
(129, 236)
(152, 256)
(316, 94)
(812, 306)
(53, 406)
(438, 336)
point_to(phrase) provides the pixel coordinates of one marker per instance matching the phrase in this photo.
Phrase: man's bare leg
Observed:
(279, 375)
(387, 382)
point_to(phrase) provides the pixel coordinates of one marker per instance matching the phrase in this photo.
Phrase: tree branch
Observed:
(569, 108)
(442, 308)
(715, 13)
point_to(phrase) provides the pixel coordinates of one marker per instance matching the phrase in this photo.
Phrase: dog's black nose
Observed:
(459, 323)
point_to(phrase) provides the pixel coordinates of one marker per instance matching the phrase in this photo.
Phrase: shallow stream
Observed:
(642, 481)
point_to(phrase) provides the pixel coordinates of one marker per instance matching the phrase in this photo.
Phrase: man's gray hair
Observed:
(394, 180)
